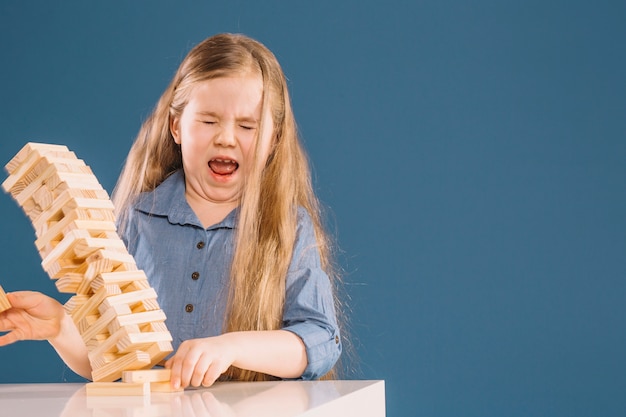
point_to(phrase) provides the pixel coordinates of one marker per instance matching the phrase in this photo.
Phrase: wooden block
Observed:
(101, 360)
(141, 341)
(159, 351)
(75, 246)
(52, 178)
(154, 326)
(96, 327)
(109, 344)
(75, 302)
(65, 202)
(36, 163)
(121, 278)
(69, 283)
(63, 247)
(146, 305)
(87, 322)
(51, 175)
(94, 302)
(56, 230)
(139, 318)
(29, 148)
(87, 247)
(147, 375)
(131, 298)
(4, 301)
(113, 371)
(101, 324)
(117, 388)
(104, 260)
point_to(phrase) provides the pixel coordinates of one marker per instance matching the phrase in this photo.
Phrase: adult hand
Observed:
(32, 316)
(199, 362)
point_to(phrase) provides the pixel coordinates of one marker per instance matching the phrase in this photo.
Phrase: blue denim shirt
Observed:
(189, 266)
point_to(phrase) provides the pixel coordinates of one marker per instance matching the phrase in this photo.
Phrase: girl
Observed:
(216, 205)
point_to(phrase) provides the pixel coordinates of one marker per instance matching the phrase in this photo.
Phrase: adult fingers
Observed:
(24, 299)
(13, 336)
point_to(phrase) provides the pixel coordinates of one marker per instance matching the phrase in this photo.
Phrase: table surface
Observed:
(226, 399)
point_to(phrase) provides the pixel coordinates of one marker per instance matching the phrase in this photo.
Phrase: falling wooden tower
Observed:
(113, 306)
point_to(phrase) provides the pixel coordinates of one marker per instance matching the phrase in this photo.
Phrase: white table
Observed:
(226, 399)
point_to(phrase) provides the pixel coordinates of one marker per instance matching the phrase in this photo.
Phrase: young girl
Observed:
(216, 205)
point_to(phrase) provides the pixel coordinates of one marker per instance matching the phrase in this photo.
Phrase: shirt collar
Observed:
(168, 200)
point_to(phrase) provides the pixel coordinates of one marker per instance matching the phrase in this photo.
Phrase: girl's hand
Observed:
(199, 362)
(32, 316)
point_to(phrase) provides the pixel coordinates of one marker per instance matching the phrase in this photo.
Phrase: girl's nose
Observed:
(226, 137)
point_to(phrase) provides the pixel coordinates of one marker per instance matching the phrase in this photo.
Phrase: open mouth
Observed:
(223, 166)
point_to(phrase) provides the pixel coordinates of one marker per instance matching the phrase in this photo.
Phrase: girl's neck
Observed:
(210, 213)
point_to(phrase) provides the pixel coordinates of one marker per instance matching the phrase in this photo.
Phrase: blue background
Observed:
(472, 155)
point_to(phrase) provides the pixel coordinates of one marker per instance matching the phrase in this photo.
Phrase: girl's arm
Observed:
(35, 316)
(201, 361)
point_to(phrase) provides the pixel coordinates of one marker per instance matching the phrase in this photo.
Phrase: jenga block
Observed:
(4, 301)
(94, 302)
(76, 246)
(147, 375)
(131, 298)
(100, 325)
(113, 371)
(117, 388)
(69, 283)
(159, 351)
(71, 221)
(108, 345)
(65, 202)
(159, 379)
(74, 302)
(106, 261)
(87, 322)
(146, 305)
(103, 359)
(87, 247)
(154, 326)
(96, 327)
(36, 163)
(140, 318)
(43, 198)
(141, 341)
(52, 175)
(27, 150)
(63, 247)
(121, 278)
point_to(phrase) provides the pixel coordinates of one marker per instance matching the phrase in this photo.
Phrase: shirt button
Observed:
(195, 275)
(189, 308)
(337, 339)
(200, 245)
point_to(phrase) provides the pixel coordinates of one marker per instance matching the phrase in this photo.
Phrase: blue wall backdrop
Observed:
(473, 156)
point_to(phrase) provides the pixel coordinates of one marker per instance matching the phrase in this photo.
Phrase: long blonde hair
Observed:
(272, 192)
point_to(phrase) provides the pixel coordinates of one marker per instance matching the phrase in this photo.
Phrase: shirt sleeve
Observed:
(309, 304)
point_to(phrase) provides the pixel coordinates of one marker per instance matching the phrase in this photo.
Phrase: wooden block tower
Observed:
(114, 307)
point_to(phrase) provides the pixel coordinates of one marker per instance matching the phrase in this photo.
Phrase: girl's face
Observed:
(217, 132)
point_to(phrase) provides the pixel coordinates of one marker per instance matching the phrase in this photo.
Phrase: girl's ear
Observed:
(175, 129)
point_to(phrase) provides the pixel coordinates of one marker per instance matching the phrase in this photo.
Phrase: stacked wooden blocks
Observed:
(113, 306)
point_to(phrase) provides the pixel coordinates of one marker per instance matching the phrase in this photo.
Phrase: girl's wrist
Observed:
(66, 325)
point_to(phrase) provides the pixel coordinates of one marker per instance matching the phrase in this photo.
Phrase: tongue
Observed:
(222, 167)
